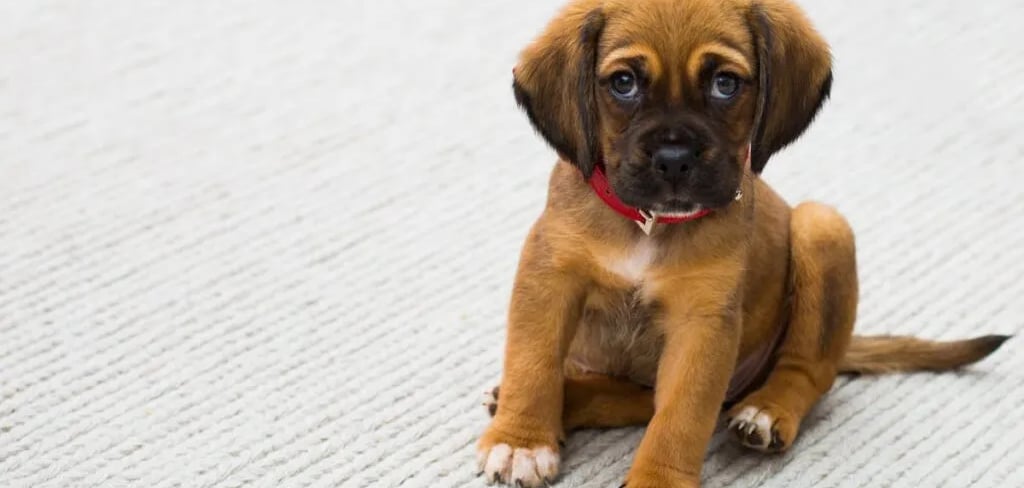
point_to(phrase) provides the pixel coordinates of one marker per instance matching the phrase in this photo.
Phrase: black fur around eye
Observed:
(724, 86)
(624, 85)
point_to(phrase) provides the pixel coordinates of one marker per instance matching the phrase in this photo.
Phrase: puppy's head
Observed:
(668, 94)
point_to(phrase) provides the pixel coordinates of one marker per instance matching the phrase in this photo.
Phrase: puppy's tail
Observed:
(891, 354)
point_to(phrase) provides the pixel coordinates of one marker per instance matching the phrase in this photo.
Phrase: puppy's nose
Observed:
(673, 161)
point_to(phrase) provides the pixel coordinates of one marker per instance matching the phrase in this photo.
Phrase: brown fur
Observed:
(585, 338)
(892, 354)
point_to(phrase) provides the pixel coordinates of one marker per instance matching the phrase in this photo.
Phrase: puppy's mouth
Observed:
(710, 185)
(676, 208)
(653, 197)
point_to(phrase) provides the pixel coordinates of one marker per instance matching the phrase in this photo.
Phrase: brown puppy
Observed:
(670, 109)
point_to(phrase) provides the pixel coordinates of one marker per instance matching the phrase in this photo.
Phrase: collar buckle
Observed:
(648, 221)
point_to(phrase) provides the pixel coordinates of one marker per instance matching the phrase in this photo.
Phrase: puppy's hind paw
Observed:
(765, 429)
(491, 400)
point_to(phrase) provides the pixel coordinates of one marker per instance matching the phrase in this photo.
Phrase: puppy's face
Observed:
(675, 101)
(669, 94)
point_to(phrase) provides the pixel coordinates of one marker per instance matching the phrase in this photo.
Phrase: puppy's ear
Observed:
(554, 83)
(794, 76)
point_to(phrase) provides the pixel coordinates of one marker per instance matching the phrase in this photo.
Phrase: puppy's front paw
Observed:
(766, 428)
(521, 467)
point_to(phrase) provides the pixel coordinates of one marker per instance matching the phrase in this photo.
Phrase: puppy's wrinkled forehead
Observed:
(672, 42)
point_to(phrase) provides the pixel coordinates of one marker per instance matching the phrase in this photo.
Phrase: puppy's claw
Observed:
(738, 427)
(776, 443)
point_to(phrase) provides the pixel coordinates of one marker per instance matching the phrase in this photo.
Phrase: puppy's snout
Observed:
(674, 161)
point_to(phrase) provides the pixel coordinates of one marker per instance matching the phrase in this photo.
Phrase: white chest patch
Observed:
(633, 265)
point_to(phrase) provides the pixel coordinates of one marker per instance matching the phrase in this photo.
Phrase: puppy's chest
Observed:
(627, 284)
(633, 266)
(616, 335)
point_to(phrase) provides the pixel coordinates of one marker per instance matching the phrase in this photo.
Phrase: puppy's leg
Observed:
(521, 444)
(824, 274)
(598, 401)
(698, 358)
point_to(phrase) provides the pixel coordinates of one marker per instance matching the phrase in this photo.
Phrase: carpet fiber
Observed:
(251, 243)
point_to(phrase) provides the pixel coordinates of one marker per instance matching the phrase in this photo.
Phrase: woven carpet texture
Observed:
(271, 244)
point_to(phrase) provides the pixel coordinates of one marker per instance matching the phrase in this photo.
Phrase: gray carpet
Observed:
(272, 243)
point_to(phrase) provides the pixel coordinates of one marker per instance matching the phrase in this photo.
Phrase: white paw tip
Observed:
(764, 423)
(481, 460)
(524, 468)
(498, 463)
(520, 467)
(547, 462)
(745, 415)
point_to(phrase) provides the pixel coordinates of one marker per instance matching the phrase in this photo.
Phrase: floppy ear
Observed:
(794, 76)
(554, 83)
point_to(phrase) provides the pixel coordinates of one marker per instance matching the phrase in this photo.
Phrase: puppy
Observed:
(665, 280)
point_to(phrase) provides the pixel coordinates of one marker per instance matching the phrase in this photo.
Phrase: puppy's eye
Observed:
(624, 85)
(725, 86)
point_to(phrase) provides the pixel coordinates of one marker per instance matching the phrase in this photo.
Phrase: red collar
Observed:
(643, 218)
(646, 220)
